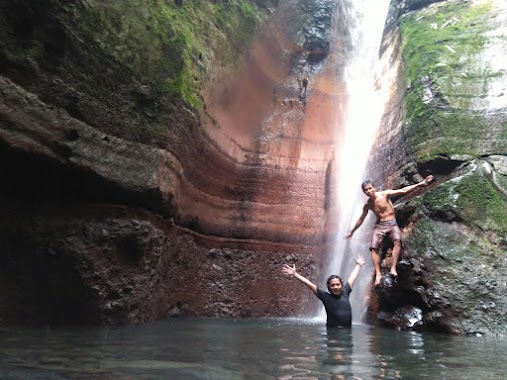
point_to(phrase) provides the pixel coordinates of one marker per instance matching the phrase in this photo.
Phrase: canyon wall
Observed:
(163, 158)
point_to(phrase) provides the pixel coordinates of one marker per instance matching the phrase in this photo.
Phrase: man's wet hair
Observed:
(332, 277)
(366, 183)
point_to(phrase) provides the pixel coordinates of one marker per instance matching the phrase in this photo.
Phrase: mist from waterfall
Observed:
(364, 106)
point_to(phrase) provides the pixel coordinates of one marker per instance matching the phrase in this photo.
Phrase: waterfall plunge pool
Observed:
(227, 349)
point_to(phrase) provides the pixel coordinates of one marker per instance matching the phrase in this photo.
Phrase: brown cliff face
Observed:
(106, 264)
(108, 220)
(271, 139)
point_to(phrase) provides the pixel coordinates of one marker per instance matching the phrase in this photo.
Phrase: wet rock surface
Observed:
(445, 122)
(105, 264)
(149, 173)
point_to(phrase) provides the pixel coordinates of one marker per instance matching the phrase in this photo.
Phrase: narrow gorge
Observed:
(165, 158)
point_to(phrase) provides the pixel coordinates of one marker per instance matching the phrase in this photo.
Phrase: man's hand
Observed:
(426, 181)
(360, 260)
(349, 235)
(289, 270)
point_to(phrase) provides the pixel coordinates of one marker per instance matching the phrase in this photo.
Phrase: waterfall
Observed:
(364, 106)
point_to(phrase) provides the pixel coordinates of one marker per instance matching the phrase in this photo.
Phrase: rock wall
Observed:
(151, 169)
(447, 117)
(163, 158)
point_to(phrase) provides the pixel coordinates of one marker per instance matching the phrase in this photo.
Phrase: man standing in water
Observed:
(336, 302)
(380, 203)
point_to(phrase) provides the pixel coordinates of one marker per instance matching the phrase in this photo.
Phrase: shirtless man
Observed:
(379, 202)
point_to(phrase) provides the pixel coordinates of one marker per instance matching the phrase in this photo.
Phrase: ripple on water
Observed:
(226, 349)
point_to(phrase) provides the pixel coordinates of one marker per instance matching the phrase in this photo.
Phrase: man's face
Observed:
(369, 190)
(335, 286)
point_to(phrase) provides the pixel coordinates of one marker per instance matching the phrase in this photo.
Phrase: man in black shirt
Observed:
(336, 301)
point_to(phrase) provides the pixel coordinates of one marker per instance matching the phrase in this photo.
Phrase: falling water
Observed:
(366, 20)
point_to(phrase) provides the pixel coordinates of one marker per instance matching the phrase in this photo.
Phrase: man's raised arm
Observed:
(410, 188)
(291, 271)
(353, 276)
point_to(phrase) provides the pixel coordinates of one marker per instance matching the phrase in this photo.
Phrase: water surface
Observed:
(224, 349)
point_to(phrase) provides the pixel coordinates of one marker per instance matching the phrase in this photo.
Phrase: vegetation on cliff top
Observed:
(444, 76)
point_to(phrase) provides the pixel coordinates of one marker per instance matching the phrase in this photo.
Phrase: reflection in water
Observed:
(339, 351)
(225, 349)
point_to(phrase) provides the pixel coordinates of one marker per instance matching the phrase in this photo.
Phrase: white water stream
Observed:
(365, 19)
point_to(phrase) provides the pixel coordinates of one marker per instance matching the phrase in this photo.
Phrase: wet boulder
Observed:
(405, 318)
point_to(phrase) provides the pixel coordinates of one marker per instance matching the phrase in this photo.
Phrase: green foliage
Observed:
(440, 47)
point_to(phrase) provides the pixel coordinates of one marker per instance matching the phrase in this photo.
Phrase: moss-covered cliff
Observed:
(449, 83)
(122, 66)
(447, 117)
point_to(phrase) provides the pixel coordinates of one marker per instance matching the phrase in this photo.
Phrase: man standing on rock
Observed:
(380, 203)
(336, 301)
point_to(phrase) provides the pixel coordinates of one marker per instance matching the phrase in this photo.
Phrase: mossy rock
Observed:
(461, 234)
(125, 67)
(445, 80)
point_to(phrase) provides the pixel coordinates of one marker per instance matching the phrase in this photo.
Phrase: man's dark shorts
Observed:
(383, 228)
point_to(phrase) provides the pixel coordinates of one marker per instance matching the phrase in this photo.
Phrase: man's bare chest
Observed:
(380, 205)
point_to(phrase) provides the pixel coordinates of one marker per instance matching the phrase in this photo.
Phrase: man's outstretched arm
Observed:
(358, 223)
(353, 276)
(289, 270)
(410, 188)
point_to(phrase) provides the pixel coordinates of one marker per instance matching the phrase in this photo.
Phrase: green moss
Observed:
(501, 180)
(440, 47)
(502, 136)
(168, 46)
(475, 199)
(478, 236)
(430, 47)
(482, 204)
(421, 237)
(127, 67)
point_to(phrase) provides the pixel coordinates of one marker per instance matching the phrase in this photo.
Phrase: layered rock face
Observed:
(447, 117)
(150, 169)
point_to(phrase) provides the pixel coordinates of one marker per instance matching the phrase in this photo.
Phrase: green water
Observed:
(225, 349)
